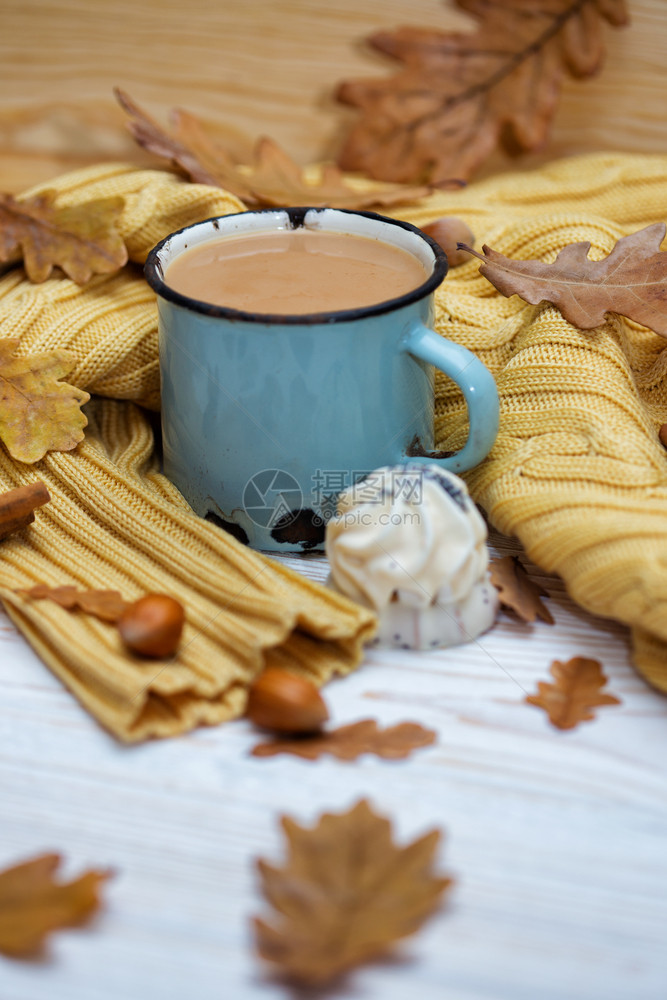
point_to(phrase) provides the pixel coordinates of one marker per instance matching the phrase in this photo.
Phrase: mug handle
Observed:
(479, 391)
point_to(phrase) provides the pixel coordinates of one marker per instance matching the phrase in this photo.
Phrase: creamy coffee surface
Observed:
(293, 272)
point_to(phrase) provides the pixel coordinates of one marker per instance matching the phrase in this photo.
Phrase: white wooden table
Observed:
(557, 840)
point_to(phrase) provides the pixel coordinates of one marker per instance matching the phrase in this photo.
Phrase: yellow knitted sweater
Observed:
(115, 523)
(577, 473)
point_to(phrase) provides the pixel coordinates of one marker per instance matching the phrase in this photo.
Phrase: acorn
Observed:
(285, 703)
(152, 626)
(448, 232)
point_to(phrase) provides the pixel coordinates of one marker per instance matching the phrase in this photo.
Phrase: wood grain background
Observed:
(556, 840)
(264, 67)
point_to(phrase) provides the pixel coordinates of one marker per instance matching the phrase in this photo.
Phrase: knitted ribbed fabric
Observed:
(578, 473)
(115, 522)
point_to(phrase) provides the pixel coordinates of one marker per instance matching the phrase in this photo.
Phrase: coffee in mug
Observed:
(295, 271)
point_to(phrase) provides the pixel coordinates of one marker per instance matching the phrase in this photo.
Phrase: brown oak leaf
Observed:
(38, 412)
(517, 591)
(461, 94)
(108, 605)
(345, 894)
(272, 179)
(81, 240)
(631, 280)
(577, 691)
(33, 904)
(17, 507)
(351, 741)
(150, 626)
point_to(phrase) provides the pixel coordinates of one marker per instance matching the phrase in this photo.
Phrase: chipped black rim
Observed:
(154, 274)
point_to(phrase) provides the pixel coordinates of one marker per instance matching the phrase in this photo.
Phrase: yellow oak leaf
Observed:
(82, 240)
(38, 412)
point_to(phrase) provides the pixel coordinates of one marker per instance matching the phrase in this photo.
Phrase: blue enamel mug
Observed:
(266, 418)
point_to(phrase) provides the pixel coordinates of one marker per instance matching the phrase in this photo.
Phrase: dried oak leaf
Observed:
(345, 895)
(351, 741)
(17, 507)
(577, 691)
(461, 94)
(631, 281)
(272, 179)
(33, 904)
(517, 591)
(38, 412)
(108, 605)
(82, 240)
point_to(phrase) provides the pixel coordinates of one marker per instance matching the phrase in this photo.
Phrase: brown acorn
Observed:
(285, 703)
(152, 625)
(449, 232)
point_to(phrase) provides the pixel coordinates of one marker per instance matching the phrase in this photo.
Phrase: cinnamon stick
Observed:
(17, 506)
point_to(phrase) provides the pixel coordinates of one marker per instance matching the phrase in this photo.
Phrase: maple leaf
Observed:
(345, 895)
(459, 95)
(38, 412)
(108, 605)
(576, 692)
(517, 591)
(631, 280)
(33, 904)
(82, 240)
(17, 506)
(351, 741)
(272, 179)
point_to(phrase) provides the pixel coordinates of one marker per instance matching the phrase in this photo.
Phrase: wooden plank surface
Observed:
(264, 67)
(556, 840)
